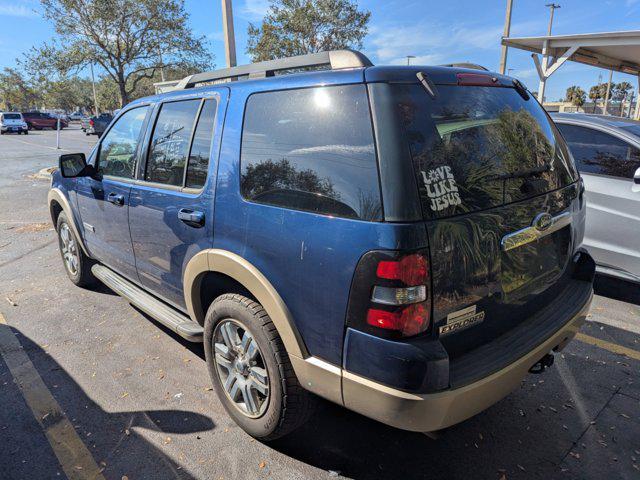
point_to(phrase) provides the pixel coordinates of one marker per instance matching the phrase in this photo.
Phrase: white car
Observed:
(12, 122)
(607, 153)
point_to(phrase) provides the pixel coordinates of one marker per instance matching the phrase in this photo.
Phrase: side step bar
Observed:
(163, 313)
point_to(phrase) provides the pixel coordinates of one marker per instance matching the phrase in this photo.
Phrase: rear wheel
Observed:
(250, 369)
(76, 263)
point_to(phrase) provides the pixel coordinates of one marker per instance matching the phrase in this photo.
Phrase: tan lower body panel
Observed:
(425, 412)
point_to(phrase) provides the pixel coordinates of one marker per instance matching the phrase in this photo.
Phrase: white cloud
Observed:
(254, 9)
(16, 11)
(430, 43)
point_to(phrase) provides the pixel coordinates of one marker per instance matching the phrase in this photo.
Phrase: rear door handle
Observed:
(116, 199)
(192, 218)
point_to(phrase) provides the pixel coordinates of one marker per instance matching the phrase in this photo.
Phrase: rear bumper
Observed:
(435, 411)
(429, 411)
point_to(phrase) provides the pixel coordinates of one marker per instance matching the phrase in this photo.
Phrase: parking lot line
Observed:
(609, 346)
(38, 145)
(74, 457)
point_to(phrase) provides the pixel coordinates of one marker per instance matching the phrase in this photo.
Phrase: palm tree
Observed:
(576, 95)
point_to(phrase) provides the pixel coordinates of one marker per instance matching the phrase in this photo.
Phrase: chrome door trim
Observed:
(544, 224)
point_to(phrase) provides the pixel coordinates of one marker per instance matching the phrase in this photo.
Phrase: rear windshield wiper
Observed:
(529, 172)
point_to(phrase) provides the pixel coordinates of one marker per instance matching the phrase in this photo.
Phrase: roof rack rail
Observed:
(335, 59)
(473, 66)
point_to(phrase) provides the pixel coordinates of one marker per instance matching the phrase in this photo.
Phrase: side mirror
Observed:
(74, 165)
(636, 177)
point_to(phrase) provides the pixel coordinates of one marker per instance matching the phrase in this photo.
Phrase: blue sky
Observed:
(435, 32)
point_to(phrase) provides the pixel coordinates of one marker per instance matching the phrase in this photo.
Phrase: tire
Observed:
(81, 274)
(26, 132)
(287, 405)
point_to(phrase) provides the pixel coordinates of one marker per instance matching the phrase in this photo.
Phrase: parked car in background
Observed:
(403, 241)
(40, 120)
(97, 125)
(12, 122)
(607, 153)
(76, 116)
(84, 124)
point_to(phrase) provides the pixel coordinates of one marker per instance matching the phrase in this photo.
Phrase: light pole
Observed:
(93, 85)
(545, 53)
(229, 36)
(552, 7)
(409, 57)
(507, 29)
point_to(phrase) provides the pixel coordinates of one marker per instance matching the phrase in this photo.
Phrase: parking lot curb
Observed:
(45, 173)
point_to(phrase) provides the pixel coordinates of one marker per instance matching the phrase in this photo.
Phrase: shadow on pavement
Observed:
(532, 433)
(111, 437)
(617, 289)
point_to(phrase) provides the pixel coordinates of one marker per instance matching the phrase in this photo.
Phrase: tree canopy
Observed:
(130, 39)
(297, 27)
(576, 95)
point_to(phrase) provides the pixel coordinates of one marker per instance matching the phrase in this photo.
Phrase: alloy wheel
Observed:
(241, 368)
(69, 249)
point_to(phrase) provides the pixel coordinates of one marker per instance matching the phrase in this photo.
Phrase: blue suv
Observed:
(402, 241)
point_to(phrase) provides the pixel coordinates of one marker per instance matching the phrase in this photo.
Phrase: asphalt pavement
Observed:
(90, 387)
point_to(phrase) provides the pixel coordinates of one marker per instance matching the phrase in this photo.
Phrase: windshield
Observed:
(11, 116)
(474, 148)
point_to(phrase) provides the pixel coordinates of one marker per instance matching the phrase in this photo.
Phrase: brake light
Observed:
(390, 294)
(409, 321)
(477, 80)
(91, 122)
(410, 270)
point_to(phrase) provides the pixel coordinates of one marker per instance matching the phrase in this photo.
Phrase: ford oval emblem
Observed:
(542, 221)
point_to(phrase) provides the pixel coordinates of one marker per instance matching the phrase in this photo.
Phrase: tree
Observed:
(129, 39)
(297, 27)
(621, 90)
(597, 92)
(15, 92)
(68, 94)
(576, 96)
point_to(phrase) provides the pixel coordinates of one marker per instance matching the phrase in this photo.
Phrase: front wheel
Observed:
(251, 371)
(76, 263)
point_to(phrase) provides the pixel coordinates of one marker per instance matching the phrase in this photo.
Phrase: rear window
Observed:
(11, 116)
(475, 148)
(312, 150)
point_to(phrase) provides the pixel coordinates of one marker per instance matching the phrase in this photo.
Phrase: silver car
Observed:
(607, 153)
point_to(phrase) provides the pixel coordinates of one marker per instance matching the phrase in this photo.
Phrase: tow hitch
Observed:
(542, 364)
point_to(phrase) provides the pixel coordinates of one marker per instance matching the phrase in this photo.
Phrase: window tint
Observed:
(598, 152)
(170, 142)
(311, 150)
(474, 148)
(201, 146)
(118, 148)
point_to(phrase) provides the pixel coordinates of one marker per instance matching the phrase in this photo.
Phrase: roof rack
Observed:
(335, 59)
(473, 66)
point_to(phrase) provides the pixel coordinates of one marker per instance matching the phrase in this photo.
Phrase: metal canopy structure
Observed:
(616, 51)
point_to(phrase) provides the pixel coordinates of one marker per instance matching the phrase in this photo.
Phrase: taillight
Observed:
(390, 294)
(91, 122)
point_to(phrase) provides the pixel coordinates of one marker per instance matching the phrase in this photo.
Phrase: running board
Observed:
(160, 311)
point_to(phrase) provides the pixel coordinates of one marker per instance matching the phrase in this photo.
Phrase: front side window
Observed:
(170, 142)
(312, 150)
(119, 147)
(601, 153)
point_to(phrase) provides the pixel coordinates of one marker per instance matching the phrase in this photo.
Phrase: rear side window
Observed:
(474, 148)
(201, 146)
(170, 142)
(598, 152)
(311, 149)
